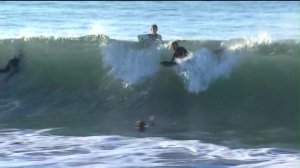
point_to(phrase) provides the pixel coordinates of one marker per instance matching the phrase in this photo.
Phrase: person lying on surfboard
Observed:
(180, 52)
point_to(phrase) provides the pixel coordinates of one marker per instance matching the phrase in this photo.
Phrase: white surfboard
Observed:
(147, 38)
(144, 37)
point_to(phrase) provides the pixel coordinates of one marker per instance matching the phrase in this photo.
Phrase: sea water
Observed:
(84, 81)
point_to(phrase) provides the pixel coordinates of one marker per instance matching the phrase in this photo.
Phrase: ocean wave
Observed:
(98, 81)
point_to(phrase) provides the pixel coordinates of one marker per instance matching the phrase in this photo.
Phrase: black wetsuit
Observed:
(12, 63)
(180, 53)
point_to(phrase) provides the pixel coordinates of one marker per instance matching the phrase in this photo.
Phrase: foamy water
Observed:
(27, 148)
(129, 64)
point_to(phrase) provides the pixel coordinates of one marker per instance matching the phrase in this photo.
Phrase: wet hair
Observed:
(175, 43)
(154, 26)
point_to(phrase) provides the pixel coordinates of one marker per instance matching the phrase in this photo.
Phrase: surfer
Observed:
(152, 39)
(12, 66)
(142, 126)
(154, 36)
(179, 52)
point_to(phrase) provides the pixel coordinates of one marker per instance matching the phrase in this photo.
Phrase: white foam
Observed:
(129, 64)
(204, 67)
(20, 148)
(197, 71)
(249, 42)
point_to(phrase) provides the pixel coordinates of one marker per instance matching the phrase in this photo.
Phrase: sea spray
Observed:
(204, 67)
(130, 64)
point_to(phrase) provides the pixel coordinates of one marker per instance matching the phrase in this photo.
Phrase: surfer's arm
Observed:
(173, 58)
(186, 52)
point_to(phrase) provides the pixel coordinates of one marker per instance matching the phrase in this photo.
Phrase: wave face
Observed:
(94, 83)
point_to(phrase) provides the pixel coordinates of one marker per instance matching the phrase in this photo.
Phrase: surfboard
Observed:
(168, 63)
(148, 38)
(144, 37)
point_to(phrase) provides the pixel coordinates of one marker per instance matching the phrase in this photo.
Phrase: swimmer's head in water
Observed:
(174, 45)
(140, 125)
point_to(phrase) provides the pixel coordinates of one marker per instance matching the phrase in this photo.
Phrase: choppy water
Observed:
(78, 94)
(125, 20)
